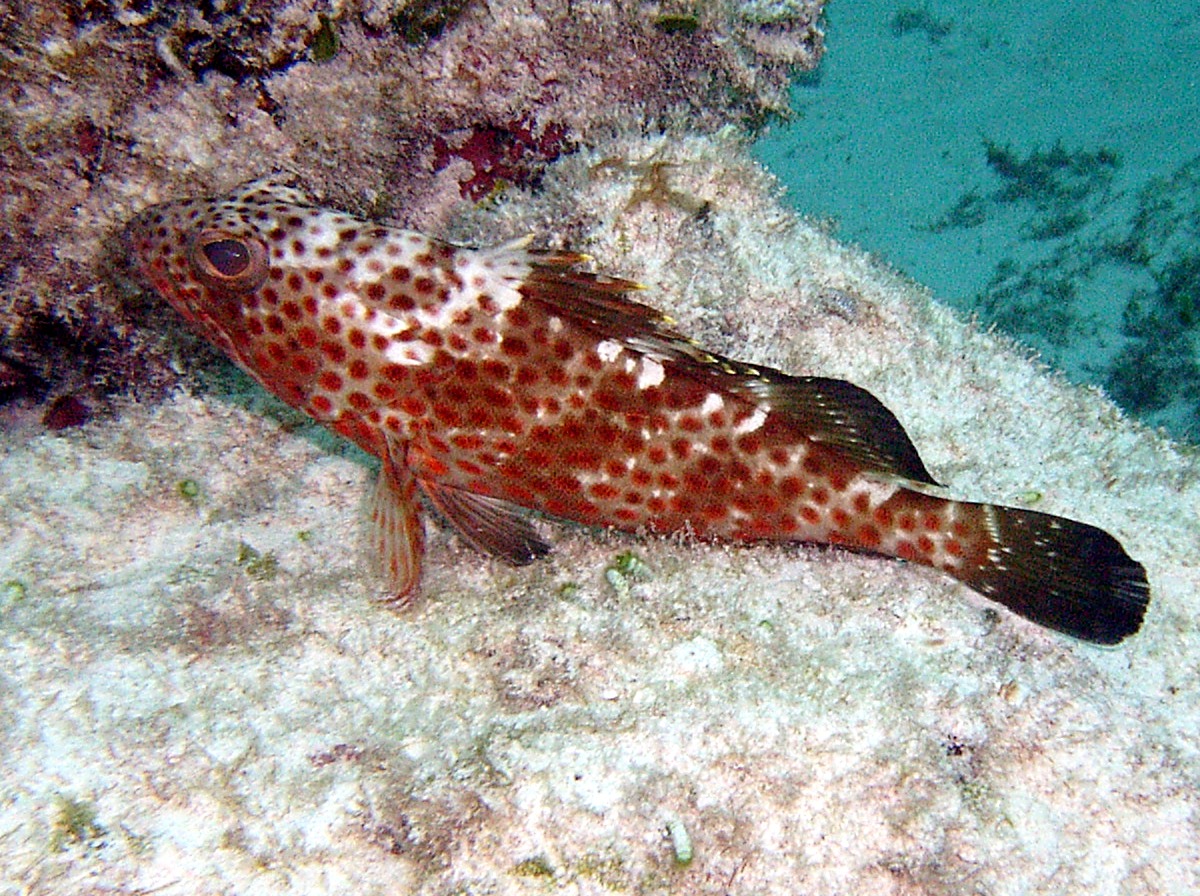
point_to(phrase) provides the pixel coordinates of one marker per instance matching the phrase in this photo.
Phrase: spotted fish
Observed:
(497, 381)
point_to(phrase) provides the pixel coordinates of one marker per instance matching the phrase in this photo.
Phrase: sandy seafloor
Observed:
(199, 694)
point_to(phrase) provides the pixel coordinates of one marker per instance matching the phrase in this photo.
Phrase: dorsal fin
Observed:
(832, 412)
(841, 414)
(591, 299)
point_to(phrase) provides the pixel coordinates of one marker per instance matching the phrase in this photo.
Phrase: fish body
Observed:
(498, 381)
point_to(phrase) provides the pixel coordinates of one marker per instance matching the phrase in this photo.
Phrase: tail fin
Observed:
(1064, 575)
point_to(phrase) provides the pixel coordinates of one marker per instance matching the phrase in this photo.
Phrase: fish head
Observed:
(209, 258)
(337, 315)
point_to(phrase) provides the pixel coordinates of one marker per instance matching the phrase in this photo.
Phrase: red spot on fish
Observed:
(471, 469)
(479, 416)
(447, 415)
(515, 347)
(566, 483)
(467, 441)
(497, 370)
(413, 406)
(749, 444)
(609, 401)
(603, 491)
(623, 383)
(682, 504)
(868, 536)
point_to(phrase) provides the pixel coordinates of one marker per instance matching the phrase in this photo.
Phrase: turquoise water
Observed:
(1038, 168)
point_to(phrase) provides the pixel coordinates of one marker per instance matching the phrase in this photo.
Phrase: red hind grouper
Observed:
(493, 381)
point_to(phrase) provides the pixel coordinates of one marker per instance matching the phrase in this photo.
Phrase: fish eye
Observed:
(229, 257)
(229, 262)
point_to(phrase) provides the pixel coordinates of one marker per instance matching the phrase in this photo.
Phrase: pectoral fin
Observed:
(398, 533)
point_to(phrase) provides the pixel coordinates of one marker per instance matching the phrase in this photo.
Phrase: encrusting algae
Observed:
(496, 381)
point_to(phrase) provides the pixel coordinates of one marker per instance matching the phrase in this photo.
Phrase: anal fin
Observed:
(491, 525)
